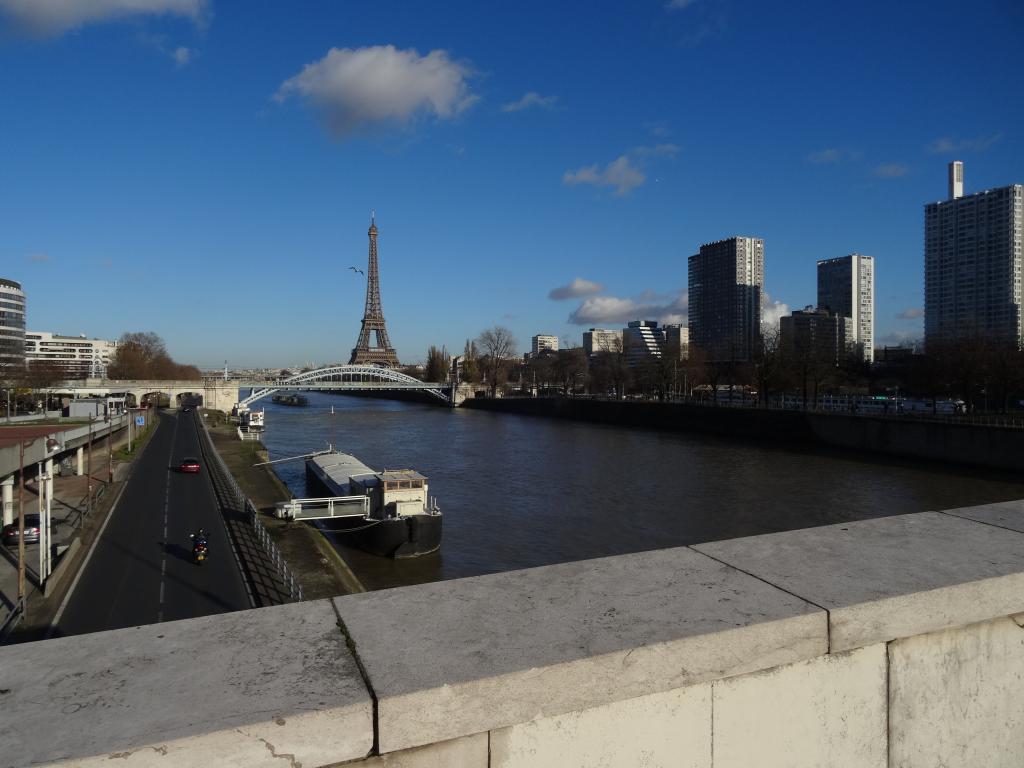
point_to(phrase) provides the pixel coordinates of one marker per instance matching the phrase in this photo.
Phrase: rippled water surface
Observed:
(519, 491)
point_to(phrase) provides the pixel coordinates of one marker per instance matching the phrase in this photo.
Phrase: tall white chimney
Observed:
(956, 179)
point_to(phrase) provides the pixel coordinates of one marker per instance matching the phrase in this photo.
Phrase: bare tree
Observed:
(144, 356)
(498, 345)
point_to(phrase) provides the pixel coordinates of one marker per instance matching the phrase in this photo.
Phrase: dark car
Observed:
(10, 532)
(189, 464)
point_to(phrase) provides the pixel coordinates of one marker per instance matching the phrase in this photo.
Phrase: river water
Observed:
(518, 491)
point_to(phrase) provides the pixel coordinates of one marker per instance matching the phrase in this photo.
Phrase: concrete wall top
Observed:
(553, 639)
(890, 577)
(240, 689)
(458, 658)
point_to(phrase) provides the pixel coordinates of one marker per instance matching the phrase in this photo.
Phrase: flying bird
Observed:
(358, 270)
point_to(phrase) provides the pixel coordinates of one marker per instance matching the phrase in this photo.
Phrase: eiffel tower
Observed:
(373, 317)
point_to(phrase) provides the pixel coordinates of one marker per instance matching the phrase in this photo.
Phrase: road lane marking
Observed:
(167, 506)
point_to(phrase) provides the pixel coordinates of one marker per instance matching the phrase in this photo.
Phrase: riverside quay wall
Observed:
(879, 643)
(913, 437)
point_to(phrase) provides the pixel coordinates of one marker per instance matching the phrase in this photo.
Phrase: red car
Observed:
(189, 464)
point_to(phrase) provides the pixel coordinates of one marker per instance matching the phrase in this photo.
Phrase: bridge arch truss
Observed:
(348, 377)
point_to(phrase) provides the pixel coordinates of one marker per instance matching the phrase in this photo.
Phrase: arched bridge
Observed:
(349, 377)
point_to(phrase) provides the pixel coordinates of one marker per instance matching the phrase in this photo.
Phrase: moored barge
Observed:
(401, 519)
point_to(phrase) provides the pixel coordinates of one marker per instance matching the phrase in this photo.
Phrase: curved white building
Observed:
(12, 325)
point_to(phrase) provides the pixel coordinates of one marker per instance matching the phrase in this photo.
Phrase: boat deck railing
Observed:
(324, 508)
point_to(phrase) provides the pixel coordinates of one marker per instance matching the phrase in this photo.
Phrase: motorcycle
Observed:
(200, 551)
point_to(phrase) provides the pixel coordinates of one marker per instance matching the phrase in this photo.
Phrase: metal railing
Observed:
(11, 620)
(243, 502)
(324, 507)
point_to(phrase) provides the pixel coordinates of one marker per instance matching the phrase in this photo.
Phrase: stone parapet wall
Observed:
(888, 642)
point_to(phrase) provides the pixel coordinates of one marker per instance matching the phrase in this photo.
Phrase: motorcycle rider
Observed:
(199, 540)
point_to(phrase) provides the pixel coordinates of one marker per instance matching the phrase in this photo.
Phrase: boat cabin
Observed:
(393, 492)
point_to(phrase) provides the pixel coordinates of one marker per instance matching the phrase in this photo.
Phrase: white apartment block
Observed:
(598, 340)
(846, 287)
(677, 340)
(80, 357)
(542, 342)
(972, 264)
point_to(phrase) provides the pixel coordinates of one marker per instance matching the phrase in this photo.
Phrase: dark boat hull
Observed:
(397, 537)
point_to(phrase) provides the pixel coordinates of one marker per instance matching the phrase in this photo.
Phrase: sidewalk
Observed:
(68, 511)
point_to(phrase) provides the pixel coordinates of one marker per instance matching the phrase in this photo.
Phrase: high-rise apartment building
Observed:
(846, 287)
(79, 357)
(541, 342)
(12, 327)
(972, 264)
(725, 283)
(598, 340)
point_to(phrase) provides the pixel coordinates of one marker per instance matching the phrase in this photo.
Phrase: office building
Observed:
(642, 340)
(815, 336)
(542, 342)
(846, 287)
(79, 357)
(725, 283)
(972, 264)
(12, 327)
(598, 340)
(677, 340)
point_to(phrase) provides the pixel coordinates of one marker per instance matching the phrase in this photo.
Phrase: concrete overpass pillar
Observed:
(80, 461)
(7, 489)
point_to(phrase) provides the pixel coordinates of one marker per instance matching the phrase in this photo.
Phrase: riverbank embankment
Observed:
(311, 558)
(910, 437)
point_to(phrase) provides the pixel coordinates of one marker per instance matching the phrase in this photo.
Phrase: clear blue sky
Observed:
(205, 170)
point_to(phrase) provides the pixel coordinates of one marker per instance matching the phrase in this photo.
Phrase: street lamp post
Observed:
(21, 524)
(88, 471)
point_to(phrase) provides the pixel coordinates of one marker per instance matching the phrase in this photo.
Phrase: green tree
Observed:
(438, 364)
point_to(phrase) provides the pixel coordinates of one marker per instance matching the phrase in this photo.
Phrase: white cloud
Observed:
(358, 87)
(181, 56)
(658, 128)
(891, 170)
(624, 173)
(619, 173)
(531, 99)
(772, 311)
(610, 309)
(947, 145)
(54, 17)
(574, 290)
(913, 313)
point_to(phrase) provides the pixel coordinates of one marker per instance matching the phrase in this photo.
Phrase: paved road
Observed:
(141, 571)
